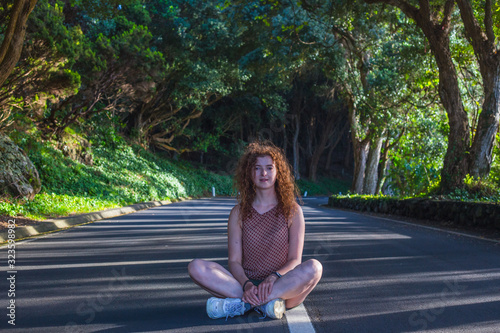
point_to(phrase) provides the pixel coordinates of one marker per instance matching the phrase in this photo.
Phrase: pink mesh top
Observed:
(265, 243)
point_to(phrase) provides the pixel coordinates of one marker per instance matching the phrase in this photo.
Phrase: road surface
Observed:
(128, 274)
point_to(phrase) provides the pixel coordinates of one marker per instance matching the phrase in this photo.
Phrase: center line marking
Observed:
(298, 320)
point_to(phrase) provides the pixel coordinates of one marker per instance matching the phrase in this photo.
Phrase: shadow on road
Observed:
(128, 274)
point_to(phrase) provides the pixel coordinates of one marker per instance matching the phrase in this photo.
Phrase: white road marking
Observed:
(298, 320)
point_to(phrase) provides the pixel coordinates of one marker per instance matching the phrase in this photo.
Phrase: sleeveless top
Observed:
(264, 242)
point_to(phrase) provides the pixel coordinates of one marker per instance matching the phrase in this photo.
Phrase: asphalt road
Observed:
(128, 274)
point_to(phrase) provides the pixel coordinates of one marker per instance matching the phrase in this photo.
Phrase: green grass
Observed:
(120, 176)
(46, 205)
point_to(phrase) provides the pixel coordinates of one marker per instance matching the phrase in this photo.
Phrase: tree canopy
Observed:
(397, 95)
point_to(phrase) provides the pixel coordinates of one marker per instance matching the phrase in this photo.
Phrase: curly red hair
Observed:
(285, 187)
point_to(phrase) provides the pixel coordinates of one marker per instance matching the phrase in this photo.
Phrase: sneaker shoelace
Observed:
(233, 309)
(261, 311)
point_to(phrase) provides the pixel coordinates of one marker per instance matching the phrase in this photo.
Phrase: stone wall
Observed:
(483, 215)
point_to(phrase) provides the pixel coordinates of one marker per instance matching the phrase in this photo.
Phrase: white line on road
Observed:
(298, 320)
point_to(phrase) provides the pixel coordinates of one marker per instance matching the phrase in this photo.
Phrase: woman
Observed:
(265, 242)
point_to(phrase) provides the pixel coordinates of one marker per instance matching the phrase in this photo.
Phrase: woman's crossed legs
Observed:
(293, 287)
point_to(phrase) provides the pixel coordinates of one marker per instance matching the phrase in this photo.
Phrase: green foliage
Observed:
(476, 190)
(416, 162)
(364, 197)
(121, 175)
(203, 77)
(324, 186)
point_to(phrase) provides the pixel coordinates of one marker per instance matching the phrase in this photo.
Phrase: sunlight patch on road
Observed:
(339, 236)
(428, 277)
(108, 264)
(385, 307)
(162, 225)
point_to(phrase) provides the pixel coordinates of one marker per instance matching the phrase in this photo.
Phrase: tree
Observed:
(12, 44)
(116, 65)
(368, 48)
(197, 45)
(435, 21)
(482, 39)
(318, 111)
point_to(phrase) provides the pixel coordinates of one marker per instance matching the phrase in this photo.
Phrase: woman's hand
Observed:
(266, 287)
(250, 295)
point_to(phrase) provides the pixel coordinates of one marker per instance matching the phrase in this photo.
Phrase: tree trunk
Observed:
(313, 165)
(382, 173)
(328, 162)
(482, 147)
(311, 129)
(488, 57)
(327, 131)
(382, 169)
(360, 151)
(333, 145)
(347, 157)
(285, 143)
(296, 147)
(455, 161)
(371, 170)
(12, 44)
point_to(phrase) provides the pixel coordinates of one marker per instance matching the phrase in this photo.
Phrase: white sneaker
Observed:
(274, 309)
(225, 307)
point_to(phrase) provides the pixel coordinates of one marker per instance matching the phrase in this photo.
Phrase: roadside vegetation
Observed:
(121, 102)
(120, 175)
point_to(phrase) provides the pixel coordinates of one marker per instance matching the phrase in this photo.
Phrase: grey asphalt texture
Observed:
(128, 274)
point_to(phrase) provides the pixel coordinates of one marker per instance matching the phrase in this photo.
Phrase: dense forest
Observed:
(397, 97)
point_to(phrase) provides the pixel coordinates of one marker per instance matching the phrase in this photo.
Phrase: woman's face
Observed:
(264, 172)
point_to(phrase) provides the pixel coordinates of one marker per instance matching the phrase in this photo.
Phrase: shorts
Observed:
(256, 282)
